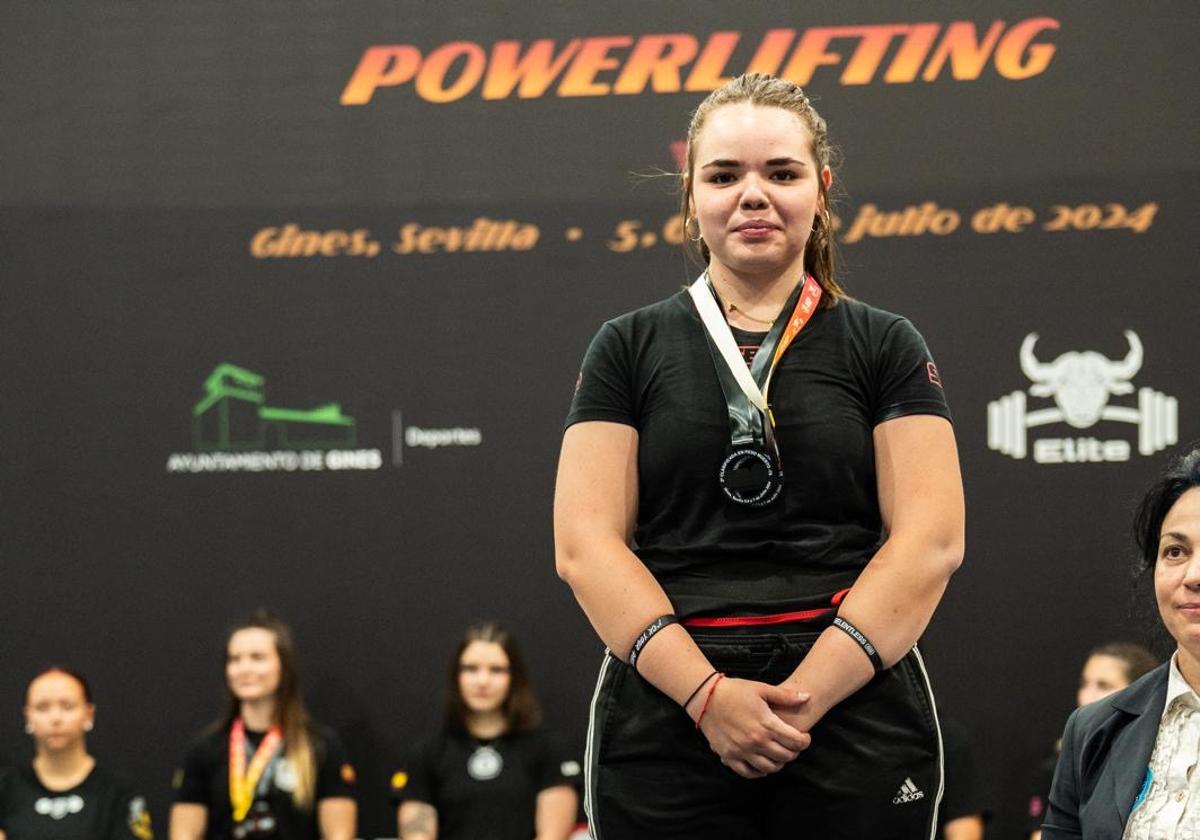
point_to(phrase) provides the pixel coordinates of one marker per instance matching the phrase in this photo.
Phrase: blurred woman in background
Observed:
(267, 769)
(492, 771)
(1108, 669)
(63, 794)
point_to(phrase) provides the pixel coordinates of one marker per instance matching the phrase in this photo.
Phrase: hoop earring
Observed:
(87, 727)
(687, 229)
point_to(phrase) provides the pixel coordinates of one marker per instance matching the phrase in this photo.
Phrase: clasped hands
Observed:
(755, 728)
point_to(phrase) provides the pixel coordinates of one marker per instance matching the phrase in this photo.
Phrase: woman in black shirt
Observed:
(759, 507)
(491, 772)
(267, 770)
(63, 794)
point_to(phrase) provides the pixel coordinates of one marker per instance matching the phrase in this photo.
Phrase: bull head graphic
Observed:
(1081, 383)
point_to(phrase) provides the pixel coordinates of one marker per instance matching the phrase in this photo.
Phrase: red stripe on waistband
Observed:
(757, 620)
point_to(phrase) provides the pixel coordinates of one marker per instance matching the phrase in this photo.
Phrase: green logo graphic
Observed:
(233, 415)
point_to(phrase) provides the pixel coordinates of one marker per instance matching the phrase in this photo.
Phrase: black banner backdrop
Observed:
(295, 295)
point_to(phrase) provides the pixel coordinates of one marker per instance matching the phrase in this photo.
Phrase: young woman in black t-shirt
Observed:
(768, 614)
(64, 794)
(267, 769)
(492, 772)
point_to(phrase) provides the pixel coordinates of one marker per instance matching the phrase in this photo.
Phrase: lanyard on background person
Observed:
(751, 473)
(243, 778)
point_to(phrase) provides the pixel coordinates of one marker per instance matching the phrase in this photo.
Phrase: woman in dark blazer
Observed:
(1106, 775)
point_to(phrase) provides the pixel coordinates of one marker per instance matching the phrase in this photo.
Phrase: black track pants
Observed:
(873, 770)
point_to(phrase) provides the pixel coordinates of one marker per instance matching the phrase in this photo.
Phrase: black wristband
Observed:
(865, 643)
(648, 634)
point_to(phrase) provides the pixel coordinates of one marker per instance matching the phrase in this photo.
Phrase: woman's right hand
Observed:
(744, 731)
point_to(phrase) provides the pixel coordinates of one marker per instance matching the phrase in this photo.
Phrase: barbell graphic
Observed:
(1157, 419)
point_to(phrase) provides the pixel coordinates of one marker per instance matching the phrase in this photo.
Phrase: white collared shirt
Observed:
(1170, 808)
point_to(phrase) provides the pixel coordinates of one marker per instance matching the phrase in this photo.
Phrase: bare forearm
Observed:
(554, 817)
(620, 598)
(417, 821)
(337, 817)
(891, 604)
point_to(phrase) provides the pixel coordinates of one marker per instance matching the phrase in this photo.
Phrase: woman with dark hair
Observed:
(266, 769)
(63, 794)
(1107, 669)
(1127, 770)
(491, 772)
(758, 508)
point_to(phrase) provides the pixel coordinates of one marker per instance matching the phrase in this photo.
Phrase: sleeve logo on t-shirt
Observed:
(399, 780)
(348, 774)
(932, 370)
(177, 779)
(578, 381)
(569, 768)
(139, 819)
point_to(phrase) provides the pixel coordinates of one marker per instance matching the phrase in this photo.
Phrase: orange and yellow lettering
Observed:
(381, 67)
(656, 59)
(1016, 44)
(708, 72)
(536, 70)
(967, 56)
(580, 79)
(431, 79)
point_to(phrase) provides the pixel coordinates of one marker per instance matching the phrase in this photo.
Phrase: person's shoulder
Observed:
(323, 734)
(673, 309)
(109, 780)
(208, 744)
(434, 743)
(858, 313)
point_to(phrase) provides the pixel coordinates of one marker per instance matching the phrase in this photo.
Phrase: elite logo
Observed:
(1081, 385)
(908, 792)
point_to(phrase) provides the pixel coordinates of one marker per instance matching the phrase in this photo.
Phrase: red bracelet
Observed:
(707, 698)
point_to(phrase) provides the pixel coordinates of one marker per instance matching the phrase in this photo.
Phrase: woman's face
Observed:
(57, 711)
(1177, 572)
(483, 677)
(252, 667)
(1102, 675)
(755, 189)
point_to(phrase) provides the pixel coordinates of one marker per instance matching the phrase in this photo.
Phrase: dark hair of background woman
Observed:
(75, 675)
(521, 709)
(1182, 475)
(1137, 660)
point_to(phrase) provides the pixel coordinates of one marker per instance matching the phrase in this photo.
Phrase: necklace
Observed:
(733, 307)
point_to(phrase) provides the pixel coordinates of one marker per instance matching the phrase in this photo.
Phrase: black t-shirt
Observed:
(204, 780)
(484, 789)
(101, 807)
(850, 369)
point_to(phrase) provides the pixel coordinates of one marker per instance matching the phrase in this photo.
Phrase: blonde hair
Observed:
(820, 258)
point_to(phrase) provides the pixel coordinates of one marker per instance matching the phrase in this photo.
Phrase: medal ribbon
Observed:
(752, 381)
(243, 779)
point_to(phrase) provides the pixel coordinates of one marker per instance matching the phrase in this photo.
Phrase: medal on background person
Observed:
(485, 763)
(243, 777)
(751, 473)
